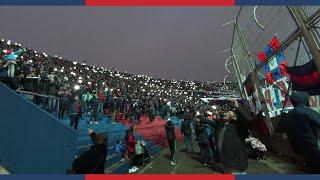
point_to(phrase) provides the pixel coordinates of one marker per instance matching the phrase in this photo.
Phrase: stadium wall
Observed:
(32, 140)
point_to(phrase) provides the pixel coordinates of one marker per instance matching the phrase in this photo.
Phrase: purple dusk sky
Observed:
(164, 42)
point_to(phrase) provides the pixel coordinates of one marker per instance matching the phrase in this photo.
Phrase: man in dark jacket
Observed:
(93, 160)
(203, 141)
(186, 131)
(304, 129)
(171, 137)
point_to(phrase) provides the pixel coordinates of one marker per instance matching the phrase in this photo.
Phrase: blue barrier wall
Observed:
(32, 140)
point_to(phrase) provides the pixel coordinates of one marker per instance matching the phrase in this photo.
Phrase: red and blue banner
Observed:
(156, 2)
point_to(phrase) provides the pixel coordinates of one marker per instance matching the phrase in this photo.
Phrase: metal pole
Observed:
(255, 80)
(301, 20)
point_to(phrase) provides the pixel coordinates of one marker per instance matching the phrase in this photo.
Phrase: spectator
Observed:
(186, 131)
(10, 60)
(74, 110)
(131, 145)
(203, 142)
(93, 160)
(121, 149)
(304, 129)
(171, 137)
(231, 140)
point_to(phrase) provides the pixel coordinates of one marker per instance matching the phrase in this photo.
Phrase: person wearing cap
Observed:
(93, 160)
(10, 59)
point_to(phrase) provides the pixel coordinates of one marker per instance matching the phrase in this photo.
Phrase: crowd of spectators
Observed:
(95, 89)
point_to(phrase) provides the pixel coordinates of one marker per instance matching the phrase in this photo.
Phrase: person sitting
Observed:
(93, 160)
(121, 149)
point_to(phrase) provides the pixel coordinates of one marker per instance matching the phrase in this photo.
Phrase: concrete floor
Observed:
(188, 165)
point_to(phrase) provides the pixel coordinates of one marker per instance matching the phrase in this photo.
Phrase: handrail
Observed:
(37, 94)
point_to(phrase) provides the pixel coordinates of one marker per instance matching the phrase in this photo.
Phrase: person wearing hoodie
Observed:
(10, 60)
(93, 160)
(303, 125)
(171, 137)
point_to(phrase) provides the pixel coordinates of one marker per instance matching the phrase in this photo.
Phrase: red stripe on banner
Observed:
(160, 2)
(160, 177)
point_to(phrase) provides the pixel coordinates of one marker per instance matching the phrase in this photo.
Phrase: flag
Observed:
(248, 83)
(262, 56)
(275, 43)
(305, 78)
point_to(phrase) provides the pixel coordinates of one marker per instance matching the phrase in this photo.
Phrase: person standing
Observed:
(10, 60)
(303, 125)
(186, 131)
(171, 137)
(74, 110)
(203, 142)
(131, 146)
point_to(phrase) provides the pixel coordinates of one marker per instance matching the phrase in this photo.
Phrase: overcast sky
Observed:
(171, 42)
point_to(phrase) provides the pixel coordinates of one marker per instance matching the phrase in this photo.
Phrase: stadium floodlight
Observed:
(76, 87)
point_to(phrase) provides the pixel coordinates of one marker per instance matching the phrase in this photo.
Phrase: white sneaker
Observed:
(173, 163)
(130, 171)
(123, 159)
(90, 122)
(96, 122)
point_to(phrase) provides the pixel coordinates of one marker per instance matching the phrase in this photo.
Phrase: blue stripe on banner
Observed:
(42, 2)
(42, 177)
(277, 2)
(278, 177)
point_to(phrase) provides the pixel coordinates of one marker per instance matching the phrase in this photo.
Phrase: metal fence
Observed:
(254, 28)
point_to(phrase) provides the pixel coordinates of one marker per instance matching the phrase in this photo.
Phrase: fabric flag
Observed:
(249, 85)
(273, 64)
(270, 78)
(262, 56)
(280, 57)
(305, 78)
(276, 74)
(275, 43)
(268, 51)
(284, 68)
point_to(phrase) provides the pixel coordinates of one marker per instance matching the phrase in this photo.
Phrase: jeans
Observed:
(11, 70)
(205, 151)
(100, 107)
(51, 104)
(189, 144)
